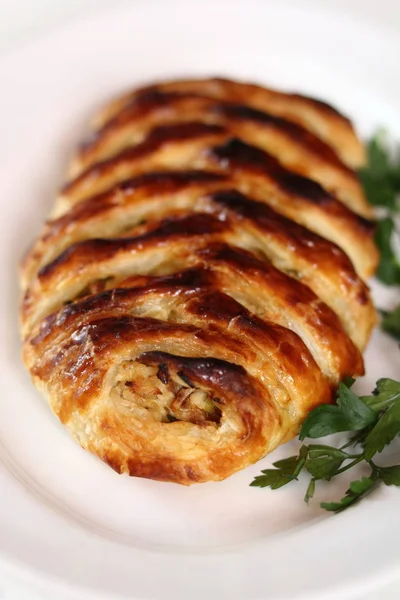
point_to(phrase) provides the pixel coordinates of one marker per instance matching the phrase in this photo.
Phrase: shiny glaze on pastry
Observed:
(200, 284)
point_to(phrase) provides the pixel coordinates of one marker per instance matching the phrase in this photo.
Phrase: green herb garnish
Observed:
(374, 422)
(391, 322)
(389, 266)
(381, 183)
(381, 177)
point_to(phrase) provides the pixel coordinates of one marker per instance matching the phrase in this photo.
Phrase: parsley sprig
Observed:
(391, 322)
(389, 266)
(373, 421)
(381, 177)
(381, 183)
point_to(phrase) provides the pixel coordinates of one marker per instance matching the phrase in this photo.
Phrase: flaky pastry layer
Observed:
(200, 284)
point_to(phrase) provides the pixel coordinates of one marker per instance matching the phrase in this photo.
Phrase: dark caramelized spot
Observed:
(292, 130)
(307, 188)
(215, 306)
(228, 253)
(265, 217)
(162, 373)
(96, 250)
(181, 131)
(170, 180)
(235, 153)
(113, 462)
(154, 99)
(210, 372)
(363, 296)
(185, 379)
(154, 183)
(155, 140)
(171, 418)
(191, 473)
(192, 279)
(139, 107)
(367, 226)
(192, 224)
(312, 245)
(91, 249)
(113, 329)
(237, 257)
(243, 87)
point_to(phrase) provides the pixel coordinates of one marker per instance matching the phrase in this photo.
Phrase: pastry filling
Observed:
(166, 394)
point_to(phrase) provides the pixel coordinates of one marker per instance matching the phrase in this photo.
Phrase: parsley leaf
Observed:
(357, 413)
(294, 464)
(375, 419)
(348, 381)
(391, 322)
(273, 478)
(381, 182)
(387, 428)
(390, 475)
(386, 392)
(310, 491)
(322, 421)
(389, 266)
(381, 177)
(378, 157)
(286, 471)
(349, 414)
(358, 489)
(324, 461)
(378, 190)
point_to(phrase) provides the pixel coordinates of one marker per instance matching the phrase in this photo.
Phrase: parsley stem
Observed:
(353, 441)
(359, 458)
(379, 406)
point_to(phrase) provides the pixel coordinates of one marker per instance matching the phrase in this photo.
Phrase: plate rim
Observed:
(39, 578)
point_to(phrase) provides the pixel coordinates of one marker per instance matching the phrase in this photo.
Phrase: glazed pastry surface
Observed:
(200, 284)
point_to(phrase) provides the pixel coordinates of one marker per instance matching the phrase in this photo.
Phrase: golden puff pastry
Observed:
(200, 284)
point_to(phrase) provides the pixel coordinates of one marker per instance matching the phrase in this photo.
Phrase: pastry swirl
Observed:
(200, 284)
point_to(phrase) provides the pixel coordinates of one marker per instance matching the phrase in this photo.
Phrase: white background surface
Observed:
(21, 20)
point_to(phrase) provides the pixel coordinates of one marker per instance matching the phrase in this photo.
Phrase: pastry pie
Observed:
(200, 284)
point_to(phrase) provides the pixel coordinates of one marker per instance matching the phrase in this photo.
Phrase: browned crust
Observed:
(317, 116)
(77, 383)
(296, 152)
(162, 192)
(231, 271)
(292, 144)
(319, 263)
(200, 262)
(146, 104)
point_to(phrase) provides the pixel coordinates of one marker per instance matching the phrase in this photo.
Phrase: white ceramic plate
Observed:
(67, 522)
